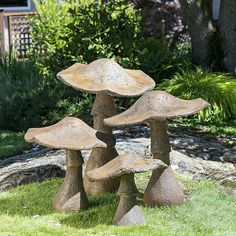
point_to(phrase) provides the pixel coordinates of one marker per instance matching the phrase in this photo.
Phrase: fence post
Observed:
(2, 32)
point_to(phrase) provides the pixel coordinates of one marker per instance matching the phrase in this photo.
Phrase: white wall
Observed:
(6, 35)
(216, 9)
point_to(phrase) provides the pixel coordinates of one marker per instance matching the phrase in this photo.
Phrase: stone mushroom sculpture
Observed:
(156, 107)
(107, 79)
(125, 166)
(73, 135)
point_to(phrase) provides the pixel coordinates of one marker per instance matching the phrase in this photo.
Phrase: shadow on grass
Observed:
(101, 212)
(36, 199)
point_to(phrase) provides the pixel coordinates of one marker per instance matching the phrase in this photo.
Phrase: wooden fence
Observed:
(14, 31)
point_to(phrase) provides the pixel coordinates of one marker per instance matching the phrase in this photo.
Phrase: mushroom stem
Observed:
(160, 144)
(71, 196)
(104, 107)
(128, 193)
(163, 188)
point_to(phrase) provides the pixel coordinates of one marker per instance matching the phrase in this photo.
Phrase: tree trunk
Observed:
(227, 23)
(200, 29)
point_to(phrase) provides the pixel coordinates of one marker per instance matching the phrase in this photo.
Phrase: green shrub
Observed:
(67, 32)
(29, 99)
(216, 88)
(19, 83)
(11, 143)
(158, 61)
(48, 29)
(154, 57)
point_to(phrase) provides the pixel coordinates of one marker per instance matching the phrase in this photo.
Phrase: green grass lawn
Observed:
(11, 143)
(27, 210)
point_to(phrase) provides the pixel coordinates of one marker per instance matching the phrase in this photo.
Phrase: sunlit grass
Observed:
(27, 210)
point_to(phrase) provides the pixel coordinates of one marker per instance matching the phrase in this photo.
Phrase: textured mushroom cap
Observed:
(70, 133)
(125, 164)
(105, 76)
(156, 105)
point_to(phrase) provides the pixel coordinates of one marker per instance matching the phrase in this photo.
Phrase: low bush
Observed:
(90, 30)
(68, 32)
(11, 143)
(216, 88)
(21, 95)
(159, 62)
(30, 99)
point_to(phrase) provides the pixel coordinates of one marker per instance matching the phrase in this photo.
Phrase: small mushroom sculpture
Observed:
(73, 135)
(125, 166)
(107, 79)
(156, 107)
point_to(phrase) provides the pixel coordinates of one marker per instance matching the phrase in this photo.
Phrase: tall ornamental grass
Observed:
(218, 89)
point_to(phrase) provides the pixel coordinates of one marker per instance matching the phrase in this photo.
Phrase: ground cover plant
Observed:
(213, 129)
(11, 143)
(30, 98)
(27, 210)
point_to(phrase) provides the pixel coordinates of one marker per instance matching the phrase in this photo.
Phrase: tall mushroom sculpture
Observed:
(73, 135)
(156, 107)
(107, 79)
(125, 166)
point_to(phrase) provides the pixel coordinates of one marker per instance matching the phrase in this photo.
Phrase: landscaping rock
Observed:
(185, 159)
(24, 169)
(227, 179)
(198, 168)
(233, 192)
(190, 145)
(133, 217)
(230, 157)
(30, 175)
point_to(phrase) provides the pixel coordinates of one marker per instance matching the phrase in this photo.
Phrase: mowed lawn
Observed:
(27, 210)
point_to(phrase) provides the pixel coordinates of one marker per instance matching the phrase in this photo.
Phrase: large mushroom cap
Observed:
(125, 164)
(107, 77)
(156, 105)
(70, 133)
